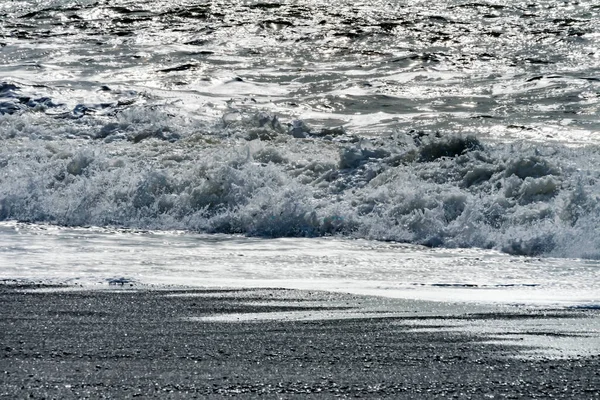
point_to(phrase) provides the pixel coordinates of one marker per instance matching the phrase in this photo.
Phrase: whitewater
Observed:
(444, 150)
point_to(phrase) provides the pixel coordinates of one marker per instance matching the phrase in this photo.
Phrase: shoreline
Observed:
(194, 343)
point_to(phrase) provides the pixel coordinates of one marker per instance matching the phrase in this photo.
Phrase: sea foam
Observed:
(151, 168)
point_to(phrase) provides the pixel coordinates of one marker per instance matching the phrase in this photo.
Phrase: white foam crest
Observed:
(260, 176)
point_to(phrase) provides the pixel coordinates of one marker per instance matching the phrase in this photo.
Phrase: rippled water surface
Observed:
(503, 68)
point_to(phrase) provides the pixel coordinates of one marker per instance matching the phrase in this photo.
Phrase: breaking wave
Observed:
(152, 167)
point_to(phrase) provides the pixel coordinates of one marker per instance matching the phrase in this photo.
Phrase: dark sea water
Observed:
(452, 124)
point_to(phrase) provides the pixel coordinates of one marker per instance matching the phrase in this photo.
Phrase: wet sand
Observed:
(128, 342)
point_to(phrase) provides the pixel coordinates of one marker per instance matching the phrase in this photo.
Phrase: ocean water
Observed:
(447, 148)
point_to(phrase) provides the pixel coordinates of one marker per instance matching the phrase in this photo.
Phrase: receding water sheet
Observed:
(102, 257)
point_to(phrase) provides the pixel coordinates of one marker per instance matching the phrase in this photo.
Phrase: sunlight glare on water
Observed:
(466, 130)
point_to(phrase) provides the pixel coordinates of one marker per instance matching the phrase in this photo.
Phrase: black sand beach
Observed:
(159, 343)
